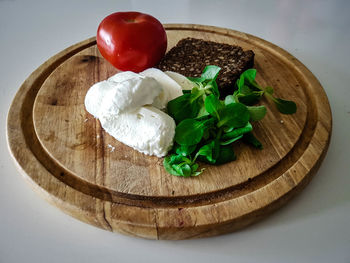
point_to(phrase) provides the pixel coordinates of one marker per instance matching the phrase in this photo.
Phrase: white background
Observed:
(313, 227)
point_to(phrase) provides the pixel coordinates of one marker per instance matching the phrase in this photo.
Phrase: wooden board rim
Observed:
(323, 126)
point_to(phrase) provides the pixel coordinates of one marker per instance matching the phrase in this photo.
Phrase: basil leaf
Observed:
(257, 113)
(189, 132)
(285, 106)
(213, 105)
(210, 72)
(234, 115)
(183, 107)
(249, 138)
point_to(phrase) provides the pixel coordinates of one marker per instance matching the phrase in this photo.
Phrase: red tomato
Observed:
(131, 40)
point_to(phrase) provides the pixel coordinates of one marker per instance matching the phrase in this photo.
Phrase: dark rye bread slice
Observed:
(190, 56)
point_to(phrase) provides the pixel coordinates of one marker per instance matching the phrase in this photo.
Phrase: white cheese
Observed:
(122, 76)
(171, 89)
(94, 98)
(184, 82)
(119, 103)
(123, 92)
(146, 129)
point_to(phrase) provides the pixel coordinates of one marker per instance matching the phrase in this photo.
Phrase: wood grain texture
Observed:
(67, 157)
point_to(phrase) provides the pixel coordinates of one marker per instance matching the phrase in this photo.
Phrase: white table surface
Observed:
(313, 227)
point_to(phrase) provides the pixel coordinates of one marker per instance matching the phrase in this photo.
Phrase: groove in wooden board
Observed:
(230, 208)
(126, 175)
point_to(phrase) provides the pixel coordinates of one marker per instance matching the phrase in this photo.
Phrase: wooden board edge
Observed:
(57, 202)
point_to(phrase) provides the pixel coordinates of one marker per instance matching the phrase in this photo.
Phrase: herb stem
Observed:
(256, 85)
(269, 96)
(218, 136)
(201, 93)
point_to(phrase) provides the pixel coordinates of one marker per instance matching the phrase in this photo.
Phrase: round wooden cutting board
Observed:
(68, 158)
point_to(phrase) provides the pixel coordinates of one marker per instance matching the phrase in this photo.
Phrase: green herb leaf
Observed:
(202, 112)
(168, 166)
(249, 98)
(184, 150)
(211, 72)
(247, 78)
(197, 93)
(229, 99)
(244, 90)
(285, 106)
(184, 169)
(269, 90)
(257, 113)
(208, 123)
(183, 107)
(209, 151)
(228, 129)
(226, 155)
(249, 75)
(234, 115)
(249, 138)
(194, 169)
(229, 141)
(204, 117)
(197, 80)
(189, 132)
(207, 127)
(177, 165)
(212, 88)
(213, 105)
(240, 82)
(248, 91)
(237, 132)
